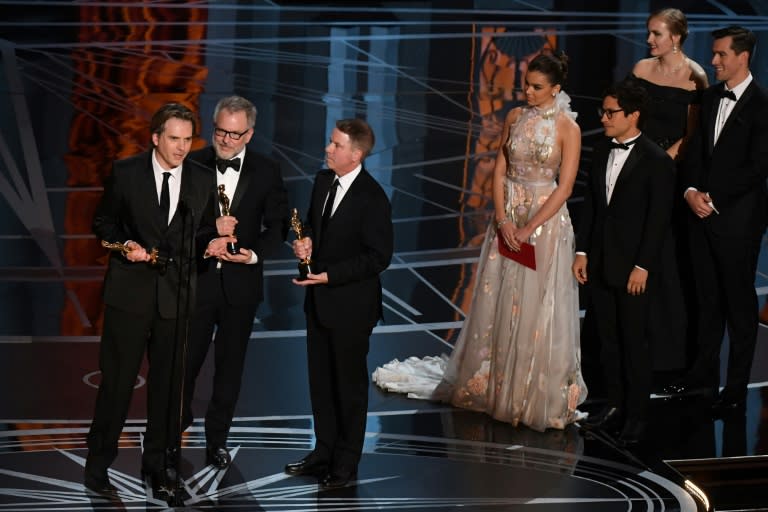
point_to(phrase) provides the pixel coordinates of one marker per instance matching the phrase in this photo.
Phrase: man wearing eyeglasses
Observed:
(230, 284)
(625, 217)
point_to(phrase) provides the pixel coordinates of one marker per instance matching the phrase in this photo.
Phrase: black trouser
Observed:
(233, 326)
(125, 338)
(622, 321)
(338, 385)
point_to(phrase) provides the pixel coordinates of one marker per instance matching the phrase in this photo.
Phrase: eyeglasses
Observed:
(232, 135)
(607, 112)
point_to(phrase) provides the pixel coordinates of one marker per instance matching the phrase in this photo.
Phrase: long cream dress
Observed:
(517, 357)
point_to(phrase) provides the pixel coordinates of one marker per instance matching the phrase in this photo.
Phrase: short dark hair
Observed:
(237, 104)
(360, 134)
(675, 21)
(169, 111)
(742, 39)
(554, 67)
(632, 97)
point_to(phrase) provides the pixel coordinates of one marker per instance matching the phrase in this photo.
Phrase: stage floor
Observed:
(418, 454)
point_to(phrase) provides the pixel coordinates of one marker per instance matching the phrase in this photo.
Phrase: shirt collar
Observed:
(241, 156)
(629, 142)
(739, 89)
(346, 181)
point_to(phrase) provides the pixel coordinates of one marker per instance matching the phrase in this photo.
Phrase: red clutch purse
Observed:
(526, 256)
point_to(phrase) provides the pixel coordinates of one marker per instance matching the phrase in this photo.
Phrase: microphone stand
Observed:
(174, 414)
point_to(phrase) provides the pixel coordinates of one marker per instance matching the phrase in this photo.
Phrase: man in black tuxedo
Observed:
(147, 204)
(725, 179)
(351, 221)
(625, 217)
(230, 287)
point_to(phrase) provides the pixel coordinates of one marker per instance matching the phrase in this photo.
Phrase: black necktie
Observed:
(329, 203)
(723, 93)
(222, 164)
(165, 197)
(619, 145)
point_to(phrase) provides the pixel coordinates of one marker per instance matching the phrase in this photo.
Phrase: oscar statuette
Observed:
(298, 228)
(154, 254)
(232, 247)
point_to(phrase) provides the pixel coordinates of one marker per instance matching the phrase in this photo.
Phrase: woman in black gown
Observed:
(673, 82)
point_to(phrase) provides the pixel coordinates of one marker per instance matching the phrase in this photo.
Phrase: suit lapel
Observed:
(209, 162)
(246, 174)
(710, 110)
(602, 170)
(323, 184)
(347, 199)
(149, 189)
(186, 193)
(629, 167)
(737, 108)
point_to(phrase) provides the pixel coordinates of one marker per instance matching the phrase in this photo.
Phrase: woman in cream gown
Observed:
(517, 357)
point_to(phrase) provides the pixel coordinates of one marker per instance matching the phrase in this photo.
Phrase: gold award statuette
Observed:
(232, 247)
(298, 228)
(117, 246)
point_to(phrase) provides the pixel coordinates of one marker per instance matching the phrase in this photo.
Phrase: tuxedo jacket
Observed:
(734, 170)
(129, 210)
(260, 205)
(629, 230)
(354, 249)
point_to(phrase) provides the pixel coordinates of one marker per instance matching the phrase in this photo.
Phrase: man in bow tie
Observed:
(230, 286)
(624, 220)
(725, 188)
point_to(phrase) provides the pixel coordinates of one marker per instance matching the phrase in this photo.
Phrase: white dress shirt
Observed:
(344, 183)
(616, 160)
(726, 105)
(230, 179)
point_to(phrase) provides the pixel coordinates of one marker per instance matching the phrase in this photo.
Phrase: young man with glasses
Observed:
(624, 220)
(230, 284)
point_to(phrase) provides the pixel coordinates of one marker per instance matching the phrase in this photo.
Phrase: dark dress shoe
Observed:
(673, 389)
(218, 457)
(309, 465)
(725, 406)
(99, 485)
(164, 483)
(632, 434)
(609, 419)
(338, 478)
(683, 389)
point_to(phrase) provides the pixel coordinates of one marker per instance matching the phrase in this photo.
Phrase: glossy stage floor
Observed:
(434, 79)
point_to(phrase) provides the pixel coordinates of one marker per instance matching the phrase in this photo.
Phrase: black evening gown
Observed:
(672, 307)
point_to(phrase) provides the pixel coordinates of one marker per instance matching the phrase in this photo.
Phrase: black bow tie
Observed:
(619, 145)
(222, 164)
(724, 93)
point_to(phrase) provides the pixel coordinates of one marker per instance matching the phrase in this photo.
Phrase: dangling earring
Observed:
(674, 48)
